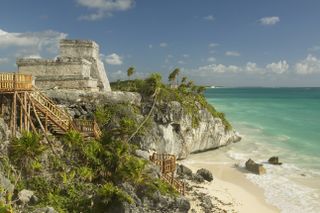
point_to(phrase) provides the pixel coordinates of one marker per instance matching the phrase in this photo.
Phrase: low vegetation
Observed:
(85, 176)
(186, 93)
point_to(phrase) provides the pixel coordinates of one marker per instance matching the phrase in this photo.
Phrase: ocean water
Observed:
(282, 122)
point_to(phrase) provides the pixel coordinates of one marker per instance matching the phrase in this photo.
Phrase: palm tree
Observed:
(130, 71)
(173, 75)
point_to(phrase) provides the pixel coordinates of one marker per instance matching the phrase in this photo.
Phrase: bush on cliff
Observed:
(84, 176)
(186, 93)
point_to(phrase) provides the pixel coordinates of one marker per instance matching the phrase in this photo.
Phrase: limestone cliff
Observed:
(173, 132)
(170, 128)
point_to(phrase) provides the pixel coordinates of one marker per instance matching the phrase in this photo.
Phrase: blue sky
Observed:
(220, 42)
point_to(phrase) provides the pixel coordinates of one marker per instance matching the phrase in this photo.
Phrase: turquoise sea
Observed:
(282, 122)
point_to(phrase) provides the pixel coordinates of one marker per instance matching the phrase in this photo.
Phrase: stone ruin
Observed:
(78, 67)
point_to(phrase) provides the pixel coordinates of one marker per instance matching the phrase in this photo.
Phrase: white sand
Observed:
(230, 190)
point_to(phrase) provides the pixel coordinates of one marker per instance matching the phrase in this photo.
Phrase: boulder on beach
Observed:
(206, 174)
(255, 167)
(183, 171)
(274, 160)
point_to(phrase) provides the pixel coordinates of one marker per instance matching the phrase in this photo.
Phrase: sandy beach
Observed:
(230, 190)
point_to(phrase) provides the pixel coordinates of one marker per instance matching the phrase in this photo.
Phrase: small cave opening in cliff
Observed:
(176, 127)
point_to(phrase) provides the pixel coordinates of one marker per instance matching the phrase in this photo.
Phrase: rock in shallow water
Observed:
(255, 167)
(206, 174)
(274, 160)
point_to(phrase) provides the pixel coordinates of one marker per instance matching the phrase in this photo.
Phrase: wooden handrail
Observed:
(87, 126)
(167, 164)
(58, 115)
(15, 82)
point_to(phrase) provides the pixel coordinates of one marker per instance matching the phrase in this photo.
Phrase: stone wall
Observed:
(78, 67)
(90, 51)
(60, 66)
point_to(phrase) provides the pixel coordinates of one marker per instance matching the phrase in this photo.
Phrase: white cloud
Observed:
(211, 59)
(150, 46)
(210, 69)
(33, 56)
(209, 18)
(104, 7)
(23, 44)
(181, 62)
(163, 44)
(185, 56)
(278, 67)
(169, 56)
(309, 65)
(232, 53)
(212, 45)
(249, 68)
(272, 20)
(4, 60)
(114, 59)
(252, 67)
(47, 39)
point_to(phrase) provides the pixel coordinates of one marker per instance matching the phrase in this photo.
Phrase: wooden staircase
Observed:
(26, 98)
(58, 121)
(167, 164)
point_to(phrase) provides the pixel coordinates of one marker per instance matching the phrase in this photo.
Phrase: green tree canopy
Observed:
(173, 75)
(130, 71)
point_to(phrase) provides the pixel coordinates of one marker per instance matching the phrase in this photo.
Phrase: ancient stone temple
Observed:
(78, 67)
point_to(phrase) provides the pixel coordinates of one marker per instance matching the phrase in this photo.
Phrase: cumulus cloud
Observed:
(150, 46)
(209, 18)
(104, 8)
(33, 56)
(113, 59)
(210, 69)
(24, 44)
(309, 65)
(278, 67)
(232, 53)
(211, 59)
(252, 67)
(272, 20)
(163, 44)
(47, 39)
(212, 45)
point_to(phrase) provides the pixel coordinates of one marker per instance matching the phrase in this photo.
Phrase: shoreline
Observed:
(230, 190)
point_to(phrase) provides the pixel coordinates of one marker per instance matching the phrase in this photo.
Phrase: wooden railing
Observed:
(167, 164)
(180, 186)
(88, 127)
(15, 82)
(59, 116)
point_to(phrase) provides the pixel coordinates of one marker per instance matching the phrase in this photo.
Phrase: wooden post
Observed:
(14, 112)
(46, 123)
(25, 113)
(21, 115)
(29, 118)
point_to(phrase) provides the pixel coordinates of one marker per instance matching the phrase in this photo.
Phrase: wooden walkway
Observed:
(30, 109)
(167, 164)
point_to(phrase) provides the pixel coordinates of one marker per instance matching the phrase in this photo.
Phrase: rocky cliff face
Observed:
(171, 129)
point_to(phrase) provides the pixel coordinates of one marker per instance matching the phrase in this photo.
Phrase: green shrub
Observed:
(73, 138)
(109, 194)
(103, 115)
(26, 149)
